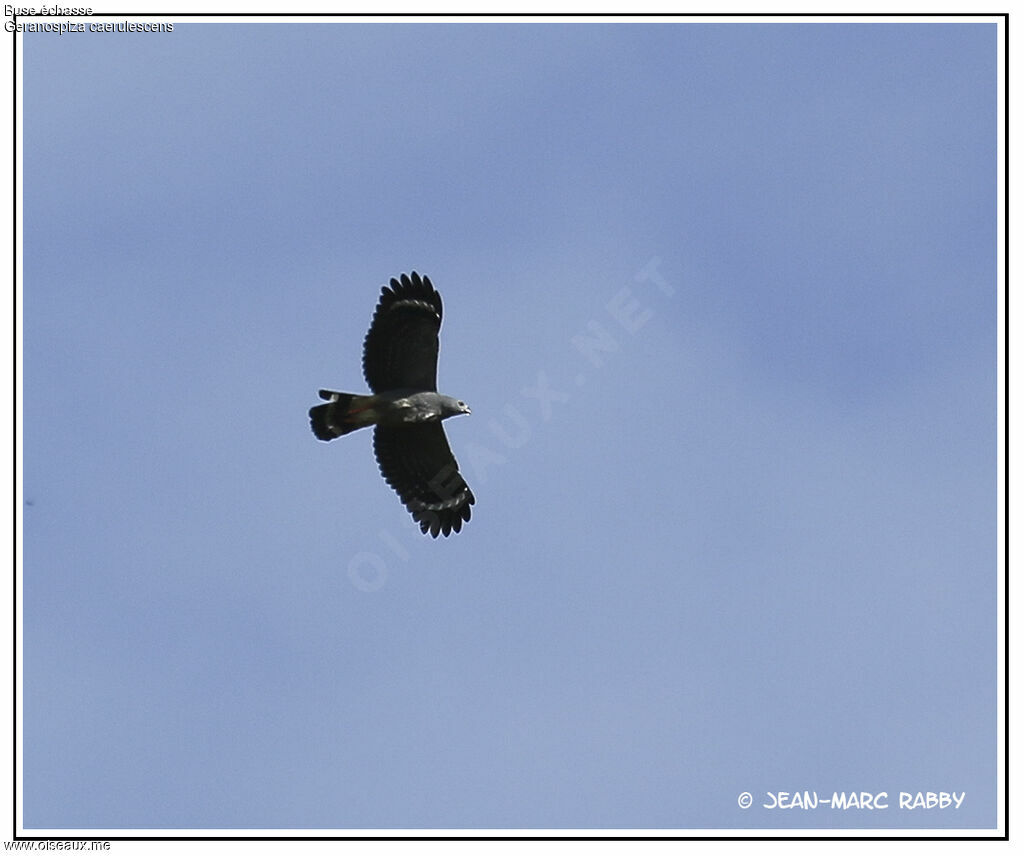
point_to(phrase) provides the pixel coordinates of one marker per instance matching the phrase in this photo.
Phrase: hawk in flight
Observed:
(406, 410)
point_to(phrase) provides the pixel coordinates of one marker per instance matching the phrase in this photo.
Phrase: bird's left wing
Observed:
(418, 463)
(400, 350)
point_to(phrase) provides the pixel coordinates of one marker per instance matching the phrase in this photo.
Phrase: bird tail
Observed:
(343, 412)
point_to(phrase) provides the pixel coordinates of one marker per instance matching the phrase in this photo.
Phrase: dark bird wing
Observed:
(418, 463)
(400, 351)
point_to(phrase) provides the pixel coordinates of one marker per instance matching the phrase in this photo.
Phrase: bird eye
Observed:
(462, 404)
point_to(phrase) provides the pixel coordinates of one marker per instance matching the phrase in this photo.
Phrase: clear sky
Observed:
(723, 301)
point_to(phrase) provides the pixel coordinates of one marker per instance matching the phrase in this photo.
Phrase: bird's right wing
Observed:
(400, 351)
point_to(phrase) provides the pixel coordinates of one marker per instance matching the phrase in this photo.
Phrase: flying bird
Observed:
(406, 410)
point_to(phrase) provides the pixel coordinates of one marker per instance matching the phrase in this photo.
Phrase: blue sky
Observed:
(748, 544)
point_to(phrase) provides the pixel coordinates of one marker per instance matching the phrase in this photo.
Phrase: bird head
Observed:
(454, 407)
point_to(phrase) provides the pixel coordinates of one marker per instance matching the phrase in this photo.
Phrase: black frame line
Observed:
(611, 17)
